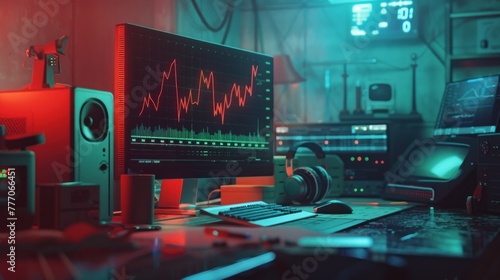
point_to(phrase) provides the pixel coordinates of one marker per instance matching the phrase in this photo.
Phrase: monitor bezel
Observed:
(171, 170)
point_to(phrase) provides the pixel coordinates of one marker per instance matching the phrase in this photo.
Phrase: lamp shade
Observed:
(284, 73)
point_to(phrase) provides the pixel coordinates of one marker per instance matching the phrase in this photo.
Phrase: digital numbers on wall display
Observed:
(384, 19)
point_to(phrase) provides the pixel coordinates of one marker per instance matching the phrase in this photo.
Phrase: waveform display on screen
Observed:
(184, 102)
(469, 106)
(191, 135)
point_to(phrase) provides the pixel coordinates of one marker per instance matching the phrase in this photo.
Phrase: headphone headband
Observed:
(318, 151)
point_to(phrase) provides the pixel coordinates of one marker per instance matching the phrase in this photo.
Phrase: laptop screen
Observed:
(469, 107)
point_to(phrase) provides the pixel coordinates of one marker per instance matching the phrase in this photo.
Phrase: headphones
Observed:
(307, 184)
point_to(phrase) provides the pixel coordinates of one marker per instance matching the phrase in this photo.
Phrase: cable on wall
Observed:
(228, 25)
(205, 22)
(226, 21)
(255, 25)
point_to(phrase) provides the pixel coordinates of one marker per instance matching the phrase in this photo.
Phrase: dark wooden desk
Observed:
(437, 243)
(418, 243)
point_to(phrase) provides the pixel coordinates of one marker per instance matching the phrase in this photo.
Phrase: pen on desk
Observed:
(226, 233)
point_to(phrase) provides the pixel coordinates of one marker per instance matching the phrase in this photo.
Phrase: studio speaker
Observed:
(78, 128)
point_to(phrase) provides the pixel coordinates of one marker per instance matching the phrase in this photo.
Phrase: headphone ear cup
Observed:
(295, 188)
(302, 186)
(324, 182)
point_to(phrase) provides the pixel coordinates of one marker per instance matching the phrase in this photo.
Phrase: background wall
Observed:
(316, 36)
(89, 56)
(24, 23)
(314, 33)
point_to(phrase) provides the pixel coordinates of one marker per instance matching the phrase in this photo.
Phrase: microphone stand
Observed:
(345, 111)
(344, 79)
(414, 85)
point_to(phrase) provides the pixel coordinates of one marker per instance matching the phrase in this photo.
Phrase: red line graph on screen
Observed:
(184, 102)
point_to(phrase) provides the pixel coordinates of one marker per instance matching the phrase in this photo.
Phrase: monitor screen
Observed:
(384, 19)
(186, 108)
(469, 107)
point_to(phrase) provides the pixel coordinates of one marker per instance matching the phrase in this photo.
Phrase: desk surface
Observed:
(411, 243)
(364, 209)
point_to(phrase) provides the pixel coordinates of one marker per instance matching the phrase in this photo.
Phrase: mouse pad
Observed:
(364, 209)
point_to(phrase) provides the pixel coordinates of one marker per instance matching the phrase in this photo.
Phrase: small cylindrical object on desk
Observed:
(137, 198)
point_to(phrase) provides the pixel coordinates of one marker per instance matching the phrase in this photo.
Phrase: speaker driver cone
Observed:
(94, 121)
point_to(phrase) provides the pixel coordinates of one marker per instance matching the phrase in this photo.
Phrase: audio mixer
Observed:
(363, 148)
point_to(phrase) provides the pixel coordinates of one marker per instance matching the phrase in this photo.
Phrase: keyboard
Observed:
(257, 213)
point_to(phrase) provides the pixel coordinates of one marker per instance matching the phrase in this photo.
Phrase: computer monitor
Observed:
(469, 107)
(434, 171)
(442, 170)
(380, 97)
(187, 108)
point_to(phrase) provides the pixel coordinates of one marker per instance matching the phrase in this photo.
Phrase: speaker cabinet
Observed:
(78, 128)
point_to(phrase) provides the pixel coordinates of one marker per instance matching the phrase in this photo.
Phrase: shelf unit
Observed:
(469, 61)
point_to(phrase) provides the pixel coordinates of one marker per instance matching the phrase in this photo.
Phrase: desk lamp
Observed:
(285, 73)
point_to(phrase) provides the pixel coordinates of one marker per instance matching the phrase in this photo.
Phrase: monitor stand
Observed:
(178, 197)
